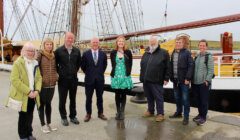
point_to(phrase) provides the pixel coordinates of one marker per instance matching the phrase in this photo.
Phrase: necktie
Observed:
(95, 57)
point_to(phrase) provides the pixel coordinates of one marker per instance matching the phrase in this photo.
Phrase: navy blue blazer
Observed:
(93, 72)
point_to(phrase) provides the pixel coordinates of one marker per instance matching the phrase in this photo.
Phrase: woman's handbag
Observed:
(14, 104)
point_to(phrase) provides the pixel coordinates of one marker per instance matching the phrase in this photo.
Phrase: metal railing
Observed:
(227, 65)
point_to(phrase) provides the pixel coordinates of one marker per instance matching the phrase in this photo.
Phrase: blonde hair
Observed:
(48, 40)
(185, 39)
(28, 46)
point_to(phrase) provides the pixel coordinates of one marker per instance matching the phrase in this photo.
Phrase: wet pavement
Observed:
(220, 126)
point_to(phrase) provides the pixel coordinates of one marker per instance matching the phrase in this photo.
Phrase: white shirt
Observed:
(153, 48)
(93, 53)
(69, 49)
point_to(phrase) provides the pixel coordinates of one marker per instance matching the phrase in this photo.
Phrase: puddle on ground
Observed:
(138, 128)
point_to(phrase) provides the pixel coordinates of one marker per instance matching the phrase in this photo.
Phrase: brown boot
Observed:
(159, 118)
(147, 114)
(87, 118)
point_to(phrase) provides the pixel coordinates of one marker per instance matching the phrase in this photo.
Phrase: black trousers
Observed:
(25, 120)
(65, 86)
(98, 86)
(46, 96)
(201, 93)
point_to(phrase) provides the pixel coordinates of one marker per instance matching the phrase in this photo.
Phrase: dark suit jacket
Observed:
(127, 58)
(94, 72)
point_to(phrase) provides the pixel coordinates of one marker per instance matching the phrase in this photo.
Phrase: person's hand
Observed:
(31, 95)
(35, 93)
(165, 83)
(206, 83)
(186, 82)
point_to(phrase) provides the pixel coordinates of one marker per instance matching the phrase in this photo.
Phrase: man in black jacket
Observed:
(68, 60)
(181, 74)
(154, 74)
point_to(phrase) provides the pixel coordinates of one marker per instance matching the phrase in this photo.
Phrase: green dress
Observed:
(120, 80)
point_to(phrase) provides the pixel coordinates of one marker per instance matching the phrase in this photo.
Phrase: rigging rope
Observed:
(47, 23)
(118, 18)
(57, 17)
(28, 25)
(23, 31)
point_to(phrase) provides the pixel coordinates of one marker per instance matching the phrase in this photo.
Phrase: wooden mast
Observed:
(1, 17)
(75, 21)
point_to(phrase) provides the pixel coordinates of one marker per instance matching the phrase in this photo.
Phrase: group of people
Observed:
(35, 74)
(157, 67)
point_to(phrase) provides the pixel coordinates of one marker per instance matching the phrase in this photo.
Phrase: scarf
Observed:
(48, 55)
(30, 64)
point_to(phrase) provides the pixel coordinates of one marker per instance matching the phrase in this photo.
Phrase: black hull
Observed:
(219, 100)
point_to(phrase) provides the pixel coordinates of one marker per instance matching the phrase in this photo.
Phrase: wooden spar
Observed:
(74, 21)
(1, 17)
(184, 26)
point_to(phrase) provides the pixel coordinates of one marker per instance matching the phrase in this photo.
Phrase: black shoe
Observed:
(200, 121)
(121, 117)
(175, 115)
(185, 121)
(117, 116)
(65, 122)
(195, 119)
(74, 120)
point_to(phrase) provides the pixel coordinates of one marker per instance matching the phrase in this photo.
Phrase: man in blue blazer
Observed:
(94, 64)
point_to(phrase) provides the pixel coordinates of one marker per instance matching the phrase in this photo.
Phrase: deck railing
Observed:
(227, 65)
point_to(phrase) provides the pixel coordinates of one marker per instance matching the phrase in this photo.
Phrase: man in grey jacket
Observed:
(203, 74)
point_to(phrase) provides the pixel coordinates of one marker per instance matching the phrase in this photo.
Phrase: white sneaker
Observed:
(51, 128)
(45, 129)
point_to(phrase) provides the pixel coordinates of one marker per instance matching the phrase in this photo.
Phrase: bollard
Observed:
(139, 97)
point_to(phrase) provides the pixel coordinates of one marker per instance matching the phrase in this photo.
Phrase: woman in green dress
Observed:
(121, 81)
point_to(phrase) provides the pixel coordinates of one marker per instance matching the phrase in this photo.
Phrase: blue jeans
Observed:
(181, 94)
(154, 93)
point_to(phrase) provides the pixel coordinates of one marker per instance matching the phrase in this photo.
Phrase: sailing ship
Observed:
(67, 16)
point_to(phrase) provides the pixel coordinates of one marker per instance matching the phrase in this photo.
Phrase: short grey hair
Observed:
(153, 37)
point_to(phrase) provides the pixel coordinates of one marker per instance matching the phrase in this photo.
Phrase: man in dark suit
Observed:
(94, 64)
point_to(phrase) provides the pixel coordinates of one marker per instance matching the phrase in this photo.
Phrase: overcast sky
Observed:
(182, 11)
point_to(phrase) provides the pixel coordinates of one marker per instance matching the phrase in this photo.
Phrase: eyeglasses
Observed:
(30, 50)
